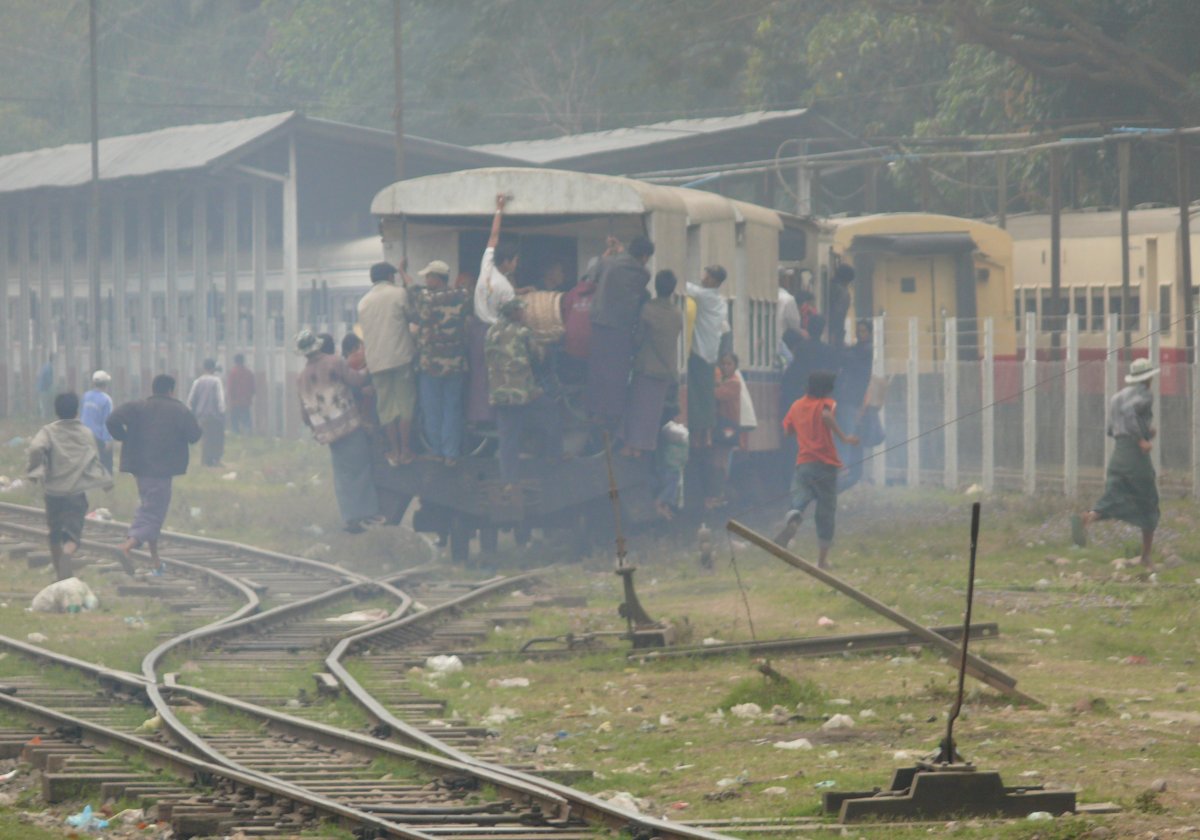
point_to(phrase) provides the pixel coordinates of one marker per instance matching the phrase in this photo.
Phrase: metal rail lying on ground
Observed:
(979, 669)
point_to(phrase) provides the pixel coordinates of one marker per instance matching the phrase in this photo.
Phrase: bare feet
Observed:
(70, 547)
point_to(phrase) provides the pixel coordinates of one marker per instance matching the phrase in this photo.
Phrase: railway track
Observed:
(236, 764)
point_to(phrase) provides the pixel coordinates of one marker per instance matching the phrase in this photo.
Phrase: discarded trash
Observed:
(135, 622)
(746, 711)
(838, 722)
(100, 515)
(867, 713)
(62, 595)
(798, 744)
(444, 664)
(132, 816)
(666, 720)
(1040, 816)
(509, 682)
(1134, 660)
(150, 724)
(12, 486)
(678, 806)
(710, 642)
(38, 638)
(359, 616)
(196, 512)
(229, 476)
(500, 714)
(839, 701)
(827, 783)
(623, 799)
(775, 790)
(86, 820)
(826, 621)
(10, 775)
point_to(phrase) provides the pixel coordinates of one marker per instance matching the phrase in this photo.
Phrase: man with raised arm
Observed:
(492, 290)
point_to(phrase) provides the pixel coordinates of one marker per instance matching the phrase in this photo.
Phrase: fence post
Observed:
(879, 368)
(913, 408)
(1152, 326)
(950, 406)
(1195, 424)
(1029, 406)
(988, 441)
(1110, 381)
(1071, 412)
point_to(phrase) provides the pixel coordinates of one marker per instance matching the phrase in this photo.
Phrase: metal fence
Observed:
(1034, 421)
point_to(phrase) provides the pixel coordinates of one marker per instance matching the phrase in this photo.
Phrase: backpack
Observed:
(577, 324)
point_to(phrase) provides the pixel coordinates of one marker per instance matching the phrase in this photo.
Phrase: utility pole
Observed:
(398, 70)
(1053, 317)
(1184, 186)
(1123, 161)
(93, 234)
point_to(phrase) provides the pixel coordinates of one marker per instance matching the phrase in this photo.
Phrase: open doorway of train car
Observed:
(542, 255)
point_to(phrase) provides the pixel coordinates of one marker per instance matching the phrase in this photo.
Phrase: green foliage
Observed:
(768, 692)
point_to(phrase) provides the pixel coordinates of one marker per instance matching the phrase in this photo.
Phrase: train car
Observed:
(1091, 274)
(565, 217)
(930, 267)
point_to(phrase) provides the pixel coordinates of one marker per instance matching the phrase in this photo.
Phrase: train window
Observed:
(1046, 311)
(908, 285)
(1114, 305)
(1164, 308)
(1079, 308)
(1098, 310)
(1133, 318)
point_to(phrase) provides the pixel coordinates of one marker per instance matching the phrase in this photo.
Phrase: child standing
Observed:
(64, 457)
(811, 419)
(672, 458)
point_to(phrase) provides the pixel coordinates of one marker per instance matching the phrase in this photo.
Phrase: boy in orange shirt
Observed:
(811, 420)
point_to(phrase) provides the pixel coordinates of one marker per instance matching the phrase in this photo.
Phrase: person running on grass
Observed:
(65, 458)
(155, 434)
(1130, 491)
(812, 420)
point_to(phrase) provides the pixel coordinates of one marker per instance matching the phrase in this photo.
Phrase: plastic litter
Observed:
(359, 616)
(229, 476)
(746, 711)
(509, 682)
(838, 722)
(775, 790)
(196, 512)
(62, 595)
(150, 724)
(798, 744)
(500, 714)
(1040, 816)
(827, 783)
(10, 775)
(11, 486)
(443, 664)
(624, 799)
(38, 638)
(135, 622)
(826, 621)
(86, 820)
(100, 515)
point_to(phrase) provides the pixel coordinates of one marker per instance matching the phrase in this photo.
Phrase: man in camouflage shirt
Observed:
(518, 400)
(439, 315)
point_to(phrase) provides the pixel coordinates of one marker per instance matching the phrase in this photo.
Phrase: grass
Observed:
(1113, 657)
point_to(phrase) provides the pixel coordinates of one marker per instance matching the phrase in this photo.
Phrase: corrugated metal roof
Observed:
(176, 149)
(573, 146)
(186, 148)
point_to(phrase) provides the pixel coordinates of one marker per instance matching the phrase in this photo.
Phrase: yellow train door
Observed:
(921, 287)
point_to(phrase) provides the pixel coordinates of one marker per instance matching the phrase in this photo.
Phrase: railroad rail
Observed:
(264, 767)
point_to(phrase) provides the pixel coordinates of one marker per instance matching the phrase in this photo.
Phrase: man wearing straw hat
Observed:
(1130, 491)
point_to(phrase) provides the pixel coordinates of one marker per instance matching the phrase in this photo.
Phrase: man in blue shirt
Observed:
(93, 413)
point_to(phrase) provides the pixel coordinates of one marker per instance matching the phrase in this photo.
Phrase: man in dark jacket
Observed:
(155, 435)
(616, 305)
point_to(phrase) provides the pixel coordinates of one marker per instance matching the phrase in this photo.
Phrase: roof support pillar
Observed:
(199, 273)
(230, 242)
(5, 345)
(265, 412)
(45, 310)
(70, 322)
(145, 296)
(171, 269)
(120, 359)
(24, 315)
(291, 283)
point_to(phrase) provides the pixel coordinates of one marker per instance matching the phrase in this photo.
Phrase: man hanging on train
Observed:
(439, 314)
(515, 395)
(616, 305)
(710, 325)
(390, 350)
(492, 289)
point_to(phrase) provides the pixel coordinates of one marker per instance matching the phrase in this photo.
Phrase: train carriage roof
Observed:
(1081, 224)
(554, 192)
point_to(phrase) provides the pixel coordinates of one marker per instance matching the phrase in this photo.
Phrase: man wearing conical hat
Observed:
(1130, 489)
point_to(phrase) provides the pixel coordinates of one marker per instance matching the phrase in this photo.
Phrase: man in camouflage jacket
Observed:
(518, 400)
(439, 317)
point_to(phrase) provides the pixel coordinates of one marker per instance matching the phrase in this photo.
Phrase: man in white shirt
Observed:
(206, 399)
(492, 290)
(711, 323)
